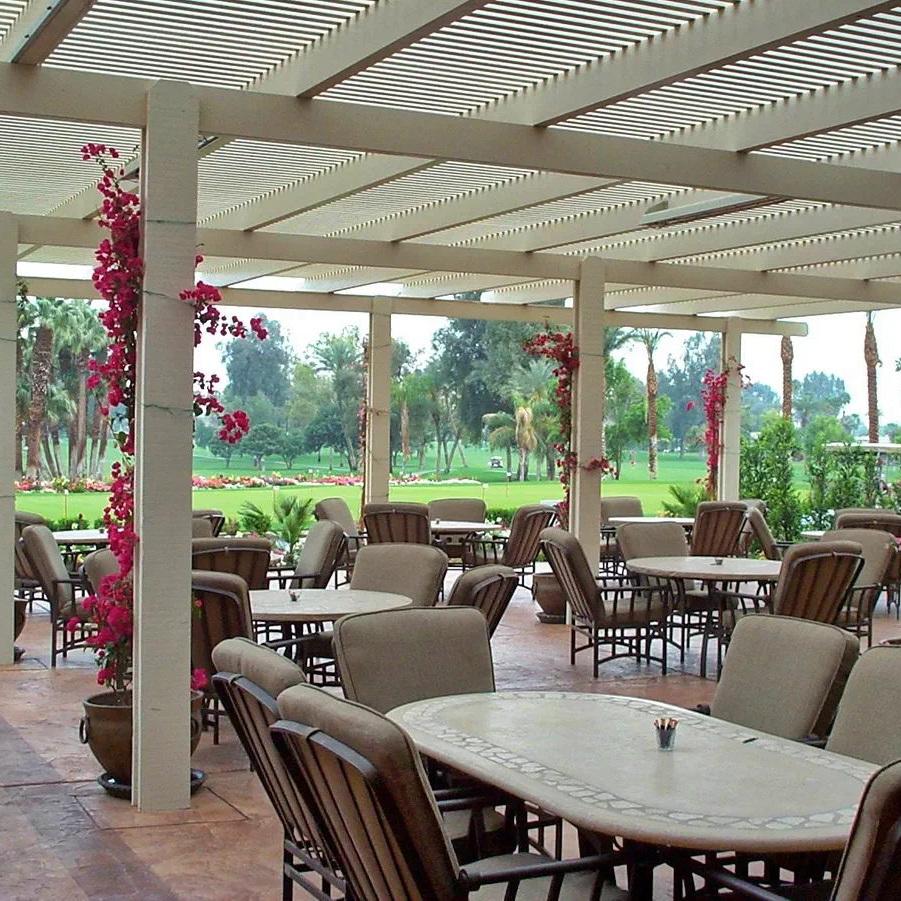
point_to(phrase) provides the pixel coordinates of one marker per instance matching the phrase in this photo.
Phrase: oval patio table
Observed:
(320, 605)
(592, 759)
(96, 537)
(813, 534)
(462, 527)
(687, 522)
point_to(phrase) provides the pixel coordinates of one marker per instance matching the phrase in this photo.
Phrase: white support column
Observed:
(377, 463)
(588, 407)
(8, 246)
(163, 455)
(731, 450)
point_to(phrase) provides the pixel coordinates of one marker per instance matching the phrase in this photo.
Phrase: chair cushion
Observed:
(262, 666)
(576, 886)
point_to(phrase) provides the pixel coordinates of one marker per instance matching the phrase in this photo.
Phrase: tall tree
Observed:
(650, 339)
(871, 358)
(502, 433)
(787, 351)
(260, 367)
(45, 312)
(819, 394)
(529, 388)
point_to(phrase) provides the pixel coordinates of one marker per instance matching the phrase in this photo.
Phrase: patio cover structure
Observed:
(716, 165)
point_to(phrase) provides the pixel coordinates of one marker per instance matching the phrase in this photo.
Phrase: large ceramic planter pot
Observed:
(548, 594)
(106, 728)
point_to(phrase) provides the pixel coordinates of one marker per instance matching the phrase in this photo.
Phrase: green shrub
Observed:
(500, 514)
(685, 499)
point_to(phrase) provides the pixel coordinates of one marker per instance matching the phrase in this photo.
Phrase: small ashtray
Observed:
(717, 561)
(294, 596)
(665, 727)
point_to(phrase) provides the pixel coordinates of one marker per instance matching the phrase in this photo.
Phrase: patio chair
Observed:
(784, 676)
(395, 657)
(879, 551)
(221, 610)
(216, 519)
(248, 680)
(397, 524)
(26, 580)
(611, 559)
(717, 529)
(815, 579)
(245, 557)
(322, 549)
(363, 779)
(487, 588)
(615, 614)
(746, 536)
(97, 565)
(461, 509)
(759, 529)
(336, 510)
(519, 549)
(870, 868)
(415, 571)
(201, 527)
(59, 588)
(868, 723)
(881, 520)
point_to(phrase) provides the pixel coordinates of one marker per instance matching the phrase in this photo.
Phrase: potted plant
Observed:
(107, 723)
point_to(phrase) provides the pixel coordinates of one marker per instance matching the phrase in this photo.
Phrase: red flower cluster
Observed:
(560, 348)
(713, 396)
(119, 278)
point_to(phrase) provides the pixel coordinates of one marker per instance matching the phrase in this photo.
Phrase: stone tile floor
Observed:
(62, 837)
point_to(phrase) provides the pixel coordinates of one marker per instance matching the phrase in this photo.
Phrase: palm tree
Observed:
(501, 433)
(788, 356)
(45, 311)
(651, 339)
(529, 387)
(871, 357)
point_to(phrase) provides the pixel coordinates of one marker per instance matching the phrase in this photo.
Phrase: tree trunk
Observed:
(550, 462)
(20, 446)
(50, 467)
(55, 449)
(460, 449)
(788, 355)
(76, 457)
(41, 366)
(405, 432)
(871, 357)
(652, 418)
(449, 459)
(509, 458)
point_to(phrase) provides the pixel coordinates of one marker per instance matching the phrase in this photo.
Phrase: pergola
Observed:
(715, 165)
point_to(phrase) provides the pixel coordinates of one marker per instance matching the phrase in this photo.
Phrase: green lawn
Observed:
(496, 491)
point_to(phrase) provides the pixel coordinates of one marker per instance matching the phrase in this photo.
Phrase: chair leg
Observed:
(287, 881)
(52, 642)
(572, 646)
(595, 650)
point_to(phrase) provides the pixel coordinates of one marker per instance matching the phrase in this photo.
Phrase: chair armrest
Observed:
(703, 709)
(814, 741)
(480, 872)
(740, 888)
(288, 576)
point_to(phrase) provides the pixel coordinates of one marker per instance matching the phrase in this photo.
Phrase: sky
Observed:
(834, 345)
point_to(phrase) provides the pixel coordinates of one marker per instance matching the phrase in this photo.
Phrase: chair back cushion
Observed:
(871, 867)
(784, 676)
(461, 509)
(759, 528)
(395, 657)
(651, 539)
(525, 534)
(201, 527)
(620, 506)
(336, 509)
(868, 722)
(717, 528)
(487, 588)
(49, 569)
(815, 579)
(882, 520)
(879, 549)
(415, 571)
(98, 565)
(397, 524)
(220, 610)
(271, 671)
(244, 557)
(366, 782)
(319, 555)
(568, 562)
(216, 519)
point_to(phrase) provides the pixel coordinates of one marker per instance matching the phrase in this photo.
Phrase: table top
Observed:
(81, 536)
(319, 605)
(593, 760)
(684, 521)
(455, 526)
(705, 569)
(813, 534)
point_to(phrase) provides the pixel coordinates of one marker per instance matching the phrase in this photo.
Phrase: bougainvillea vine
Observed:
(713, 397)
(119, 278)
(561, 350)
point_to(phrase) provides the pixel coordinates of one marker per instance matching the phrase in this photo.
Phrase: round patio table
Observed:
(320, 605)
(813, 534)
(97, 537)
(686, 522)
(461, 527)
(592, 759)
(706, 569)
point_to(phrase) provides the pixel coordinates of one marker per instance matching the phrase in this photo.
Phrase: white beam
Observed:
(716, 40)
(728, 489)
(116, 100)
(40, 29)
(377, 461)
(8, 337)
(589, 322)
(162, 642)
(825, 308)
(373, 35)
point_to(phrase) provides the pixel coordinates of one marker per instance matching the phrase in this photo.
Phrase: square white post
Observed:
(731, 450)
(377, 462)
(162, 646)
(588, 408)
(8, 331)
